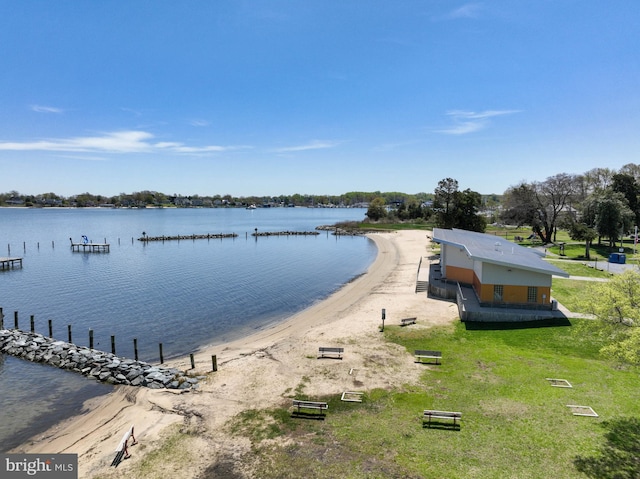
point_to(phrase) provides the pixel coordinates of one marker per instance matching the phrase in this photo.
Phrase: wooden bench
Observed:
(406, 321)
(302, 408)
(422, 354)
(429, 414)
(330, 352)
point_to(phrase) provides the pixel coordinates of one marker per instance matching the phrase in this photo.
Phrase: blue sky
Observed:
(270, 97)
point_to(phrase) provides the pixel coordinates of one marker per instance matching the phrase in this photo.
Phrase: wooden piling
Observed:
(161, 356)
(69, 331)
(15, 320)
(135, 348)
(1, 319)
(193, 362)
(113, 345)
(91, 339)
(33, 324)
(214, 362)
(50, 328)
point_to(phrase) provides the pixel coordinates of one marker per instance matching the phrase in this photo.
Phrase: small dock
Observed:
(10, 263)
(90, 247)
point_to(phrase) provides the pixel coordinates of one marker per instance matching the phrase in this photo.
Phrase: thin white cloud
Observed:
(132, 111)
(394, 146)
(470, 121)
(82, 157)
(46, 109)
(113, 142)
(469, 10)
(199, 123)
(314, 145)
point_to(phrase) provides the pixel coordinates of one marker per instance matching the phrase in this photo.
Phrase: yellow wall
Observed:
(513, 294)
(462, 275)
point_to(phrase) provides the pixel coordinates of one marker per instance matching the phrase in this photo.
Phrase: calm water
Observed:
(184, 294)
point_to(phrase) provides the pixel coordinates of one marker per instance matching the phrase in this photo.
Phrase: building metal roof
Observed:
(495, 250)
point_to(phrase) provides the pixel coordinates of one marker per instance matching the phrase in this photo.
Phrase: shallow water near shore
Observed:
(184, 294)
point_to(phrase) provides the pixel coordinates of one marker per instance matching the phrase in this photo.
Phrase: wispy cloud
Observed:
(132, 111)
(394, 146)
(469, 10)
(113, 142)
(313, 145)
(199, 123)
(82, 157)
(46, 109)
(469, 121)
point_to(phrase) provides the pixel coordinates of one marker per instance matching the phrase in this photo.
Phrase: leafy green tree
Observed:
(377, 209)
(467, 205)
(443, 202)
(629, 188)
(582, 232)
(457, 209)
(616, 304)
(612, 216)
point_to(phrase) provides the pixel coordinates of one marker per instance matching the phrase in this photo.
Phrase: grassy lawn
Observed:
(568, 292)
(514, 424)
(579, 269)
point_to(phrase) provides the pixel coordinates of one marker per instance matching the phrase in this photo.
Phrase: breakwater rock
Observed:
(338, 231)
(187, 237)
(105, 367)
(286, 233)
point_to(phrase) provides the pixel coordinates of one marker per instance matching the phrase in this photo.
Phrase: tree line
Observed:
(155, 198)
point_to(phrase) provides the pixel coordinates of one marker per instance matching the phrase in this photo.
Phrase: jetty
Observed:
(145, 238)
(285, 233)
(7, 263)
(92, 363)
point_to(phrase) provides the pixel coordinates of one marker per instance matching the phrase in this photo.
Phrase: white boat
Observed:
(251, 207)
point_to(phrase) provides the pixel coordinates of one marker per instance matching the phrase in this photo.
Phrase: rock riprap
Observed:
(103, 366)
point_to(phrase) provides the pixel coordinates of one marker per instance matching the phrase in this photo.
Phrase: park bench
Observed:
(330, 352)
(422, 354)
(122, 451)
(428, 415)
(302, 408)
(406, 321)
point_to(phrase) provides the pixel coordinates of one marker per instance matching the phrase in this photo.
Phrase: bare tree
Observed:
(540, 204)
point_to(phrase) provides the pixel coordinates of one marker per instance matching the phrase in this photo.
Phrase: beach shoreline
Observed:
(261, 370)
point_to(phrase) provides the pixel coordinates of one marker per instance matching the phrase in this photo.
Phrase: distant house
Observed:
(500, 272)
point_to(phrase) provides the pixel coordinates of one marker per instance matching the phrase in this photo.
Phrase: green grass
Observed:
(569, 292)
(580, 269)
(514, 424)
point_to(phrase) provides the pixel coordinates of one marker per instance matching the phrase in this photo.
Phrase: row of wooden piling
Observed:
(214, 360)
(146, 239)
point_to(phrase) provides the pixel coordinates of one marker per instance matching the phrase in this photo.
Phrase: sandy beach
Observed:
(261, 371)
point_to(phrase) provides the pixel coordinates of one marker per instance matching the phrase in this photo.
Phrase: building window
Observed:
(498, 291)
(532, 294)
